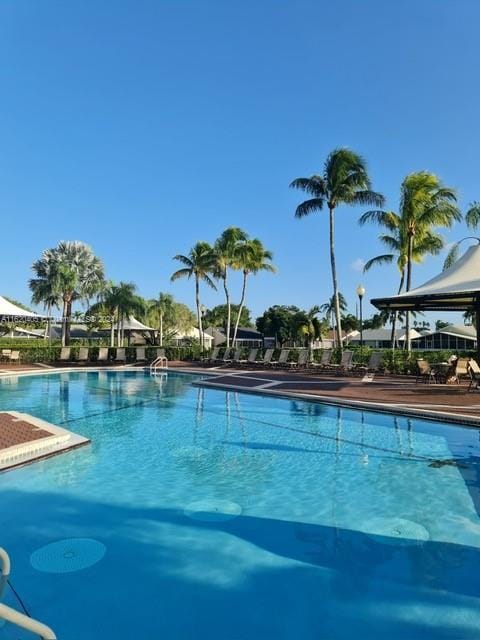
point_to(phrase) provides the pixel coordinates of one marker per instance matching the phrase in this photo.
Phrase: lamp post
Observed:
(360, 294)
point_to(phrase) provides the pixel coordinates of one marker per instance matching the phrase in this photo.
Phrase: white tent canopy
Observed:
(132, 324)
(456, 288)
(10, 311)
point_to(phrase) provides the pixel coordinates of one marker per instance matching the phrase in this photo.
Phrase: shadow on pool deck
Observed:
(367, 584)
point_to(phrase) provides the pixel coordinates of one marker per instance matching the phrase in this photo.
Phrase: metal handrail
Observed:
(13, 616)
(161, 361)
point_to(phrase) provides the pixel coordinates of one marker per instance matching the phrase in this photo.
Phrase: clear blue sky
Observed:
(143, 126)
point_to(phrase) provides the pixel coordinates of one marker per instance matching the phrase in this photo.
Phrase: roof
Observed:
(8, 310)
(459, 331)
(380, 335)
(456, 288)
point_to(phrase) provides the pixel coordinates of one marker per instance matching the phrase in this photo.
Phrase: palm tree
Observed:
(226, 255)
(199, 263)
(344, 180)
(66, 273)
(160, 309)
(396, 239)
(328, 308)
(128, 303)
(251, 257)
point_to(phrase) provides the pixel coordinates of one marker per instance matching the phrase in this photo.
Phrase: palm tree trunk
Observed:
(229, 312)
(112, 332)
(395, 314)
(240, 308)
(334, 279)
(67, 320)
(199, 313)
(161, 328)
(118, 327)
(409, 284)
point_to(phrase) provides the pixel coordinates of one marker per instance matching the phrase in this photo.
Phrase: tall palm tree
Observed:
(251, 257)
(344, 180)
(396, 239)
(328, 308)
(226, 254)
(128, 303)
(160, 309)
(67, 273)
(199, 264)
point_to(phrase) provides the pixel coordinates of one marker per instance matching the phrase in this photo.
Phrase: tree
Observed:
(251, 258)
(350, 323)
(441, 324)
(428, 242)
(199, 264)
(160, 311)
(128, 303)
(226, 257)
(328, 308)
(277, 322)
(306, 325)
(66, 273)
(217, 316)
(344, 180)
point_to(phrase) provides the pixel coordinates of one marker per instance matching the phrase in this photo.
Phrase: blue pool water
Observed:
(200, 514)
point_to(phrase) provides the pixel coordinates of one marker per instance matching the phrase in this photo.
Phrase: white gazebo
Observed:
(455, 289)
(10, 313)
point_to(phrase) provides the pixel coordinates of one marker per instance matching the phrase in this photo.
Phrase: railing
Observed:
(159, 363)
(15, 617)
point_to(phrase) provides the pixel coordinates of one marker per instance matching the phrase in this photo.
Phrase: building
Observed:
(246, 336)
(451, 338)
(381, 338)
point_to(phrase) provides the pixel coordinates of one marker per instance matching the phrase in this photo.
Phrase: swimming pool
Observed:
(198, 513)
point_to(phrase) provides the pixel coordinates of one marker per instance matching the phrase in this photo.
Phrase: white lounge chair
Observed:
(83, 354)
(102, 354)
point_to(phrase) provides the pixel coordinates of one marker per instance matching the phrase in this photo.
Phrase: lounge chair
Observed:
(160, 353)
(374, 364)
(120, 355)
(5, 354)
(140, 354)
(65, 354)
(425, 372)
(302, 361)
(250, 361)
(325, 361)
(102, 354)
(83, 354)
(236, 357)
(461, 369)
(212, 357)
(225, 359)
(474, 371)
(346, 363)
(267, 356)
(282, 359)
(15, 357)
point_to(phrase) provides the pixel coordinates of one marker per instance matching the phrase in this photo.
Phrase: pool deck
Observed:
(399, 394)
(25, 439)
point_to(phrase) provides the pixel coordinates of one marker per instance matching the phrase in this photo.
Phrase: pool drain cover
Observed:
(397, 531)
(213, 510)
(66, 556)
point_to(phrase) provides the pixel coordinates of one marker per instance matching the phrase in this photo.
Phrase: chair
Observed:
(282, 359)
(236, 357)
(15, 357)
(325, 361)
(474, 371)
(302, 362)
(425, 372)
(160, 353)
(461, 370)
(374, 365)
(251, 358)
(346, 363)
(83, 354)
(120, 355)
(226, 356)
(64, 354)
(212, 357)
(102, 354)
(5, 354)
(140, 354)
(267, 356)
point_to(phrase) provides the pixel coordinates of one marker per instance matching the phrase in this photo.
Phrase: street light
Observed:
(360, 294)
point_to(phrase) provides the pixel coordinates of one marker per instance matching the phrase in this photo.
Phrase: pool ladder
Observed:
(12, 615)
(159, 363)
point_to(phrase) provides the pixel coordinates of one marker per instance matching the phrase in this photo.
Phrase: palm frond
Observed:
(181, 273)
(386, 258)
(309, 206)
(452, 256)
(472, 217)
